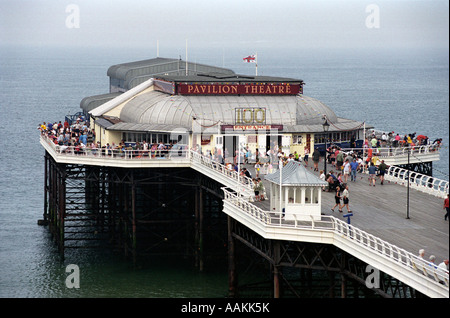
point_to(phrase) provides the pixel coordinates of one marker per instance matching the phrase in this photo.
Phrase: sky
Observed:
(231, 23)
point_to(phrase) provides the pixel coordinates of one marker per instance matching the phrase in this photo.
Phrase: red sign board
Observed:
(239, 89)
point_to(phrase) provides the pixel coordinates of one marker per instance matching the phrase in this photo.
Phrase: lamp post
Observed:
(407, 191)
(325, 126)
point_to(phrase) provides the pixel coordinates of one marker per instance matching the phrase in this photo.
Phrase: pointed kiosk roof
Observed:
(295, 174)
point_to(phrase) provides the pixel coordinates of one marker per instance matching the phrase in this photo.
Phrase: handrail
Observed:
(389, 152)
(125, 154)
(345, 230)
(216, 166)
(178, 154)
(418, 181)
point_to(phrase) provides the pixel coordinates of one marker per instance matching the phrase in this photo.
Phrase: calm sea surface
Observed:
(404, 91)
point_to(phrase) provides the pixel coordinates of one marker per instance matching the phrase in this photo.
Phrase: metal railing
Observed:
(173, 154)
(329, 223)
(400, 151)
(418, 181)
(124, 153)
(222, 169)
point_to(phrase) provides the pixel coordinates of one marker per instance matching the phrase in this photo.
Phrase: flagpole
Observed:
(186, 57)
(280, 166)
(256, 60)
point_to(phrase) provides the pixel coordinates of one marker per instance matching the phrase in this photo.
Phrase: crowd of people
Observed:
(78, 134)
(396, 140)
(79, 138)
(432, 261)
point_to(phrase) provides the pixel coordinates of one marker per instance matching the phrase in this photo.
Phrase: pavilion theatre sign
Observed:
(239, 89)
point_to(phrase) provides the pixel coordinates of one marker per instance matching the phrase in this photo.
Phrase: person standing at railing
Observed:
(446, 207)
(374, 141)
(432, 261)
(396, 140)
(444, 265)
(421, 253)
(261, 189)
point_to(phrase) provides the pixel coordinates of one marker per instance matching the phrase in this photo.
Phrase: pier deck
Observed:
(382, 211)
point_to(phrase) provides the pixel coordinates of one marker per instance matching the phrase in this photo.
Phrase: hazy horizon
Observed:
(251, 25)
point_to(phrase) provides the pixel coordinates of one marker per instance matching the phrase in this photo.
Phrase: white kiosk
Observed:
(300, 195)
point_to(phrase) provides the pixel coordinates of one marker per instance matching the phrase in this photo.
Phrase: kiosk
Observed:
(298, 194)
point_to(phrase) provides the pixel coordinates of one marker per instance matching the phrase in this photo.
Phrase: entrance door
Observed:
(230, 145)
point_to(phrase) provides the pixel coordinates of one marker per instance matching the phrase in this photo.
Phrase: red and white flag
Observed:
(250, 59)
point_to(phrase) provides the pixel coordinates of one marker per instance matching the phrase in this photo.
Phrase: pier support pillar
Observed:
(343, 277)
(46, 187)
(276, 269)
(133, 220)
(232, 275)
(199, 227)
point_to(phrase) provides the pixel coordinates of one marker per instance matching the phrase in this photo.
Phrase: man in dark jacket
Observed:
(316, 158)
(382, 167)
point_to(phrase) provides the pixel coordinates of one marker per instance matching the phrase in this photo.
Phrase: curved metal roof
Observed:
(134, 73)
(160, 108)
(295, 174)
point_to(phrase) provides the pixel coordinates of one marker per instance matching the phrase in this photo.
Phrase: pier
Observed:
(387, 228)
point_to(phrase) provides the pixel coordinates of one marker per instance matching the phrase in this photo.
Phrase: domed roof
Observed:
(155, 107)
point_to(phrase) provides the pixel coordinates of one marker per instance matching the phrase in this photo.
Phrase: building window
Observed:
(297, 139)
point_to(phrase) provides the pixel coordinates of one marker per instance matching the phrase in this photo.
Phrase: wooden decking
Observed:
(382, 211)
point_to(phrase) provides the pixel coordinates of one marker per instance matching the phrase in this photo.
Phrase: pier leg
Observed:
(276, 282)
(232, 279)
(332, 283)
(133, 220)
(46, 188)
(343, 277)
(199, 227)
(61, 208)
(276, 277)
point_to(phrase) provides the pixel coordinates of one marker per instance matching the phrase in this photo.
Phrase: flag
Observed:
(250, 59)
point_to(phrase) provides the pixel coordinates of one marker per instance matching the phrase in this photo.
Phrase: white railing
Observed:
(149, 155)
(126, 154)
(420, 182)
(222, 169)
(393, 253)
(389, 152)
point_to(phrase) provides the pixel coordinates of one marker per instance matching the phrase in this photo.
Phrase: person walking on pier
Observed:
(421, 253)
(353, 169)
(382, 170)
(444, 265)
(372, 173)
(446, 207)
(345, 198)
(305, 158)
(316, 158)
(347, 169)
(256, 189)
(337, 199)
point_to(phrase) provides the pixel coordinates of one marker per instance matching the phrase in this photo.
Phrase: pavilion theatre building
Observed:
(218, 112)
